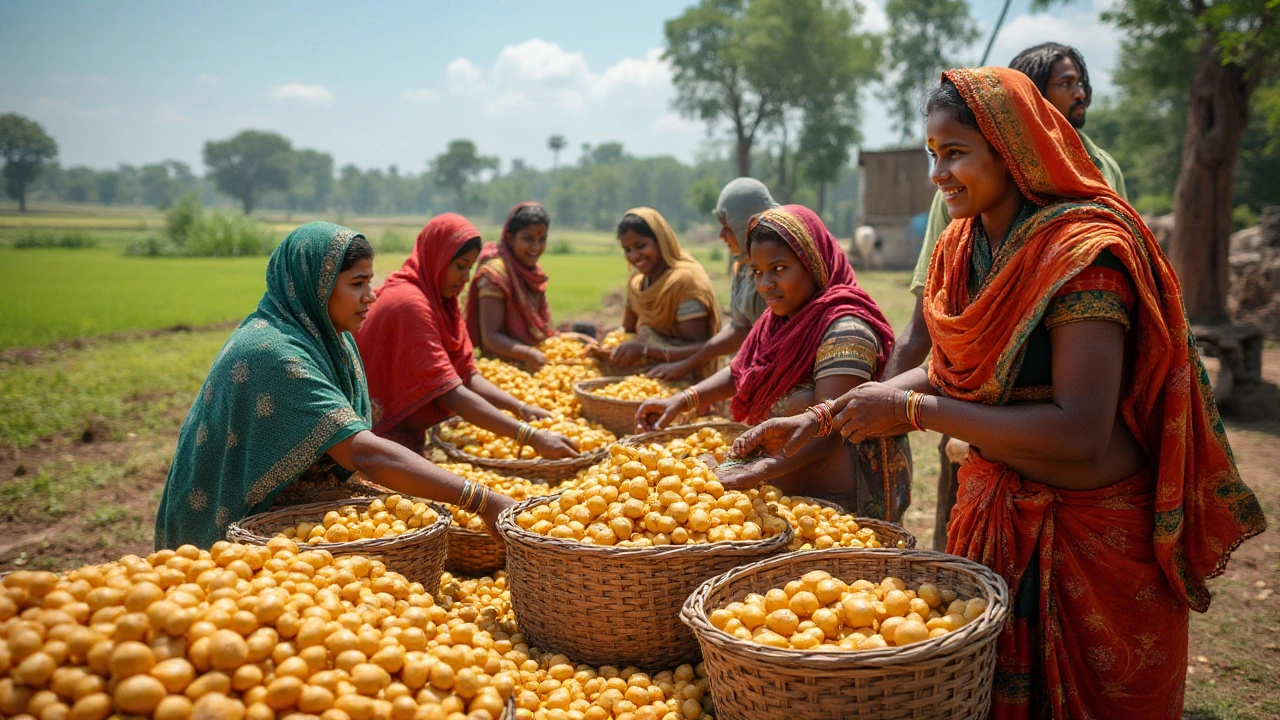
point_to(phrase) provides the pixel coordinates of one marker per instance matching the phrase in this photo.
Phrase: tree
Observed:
(163, 183)
(109, 183)
(250, 164)
(312, 180)
(459, 165)
(824, 145)
(1237, 50)
(920, 34)
(556, 143)
(25, 147)
(703, 195)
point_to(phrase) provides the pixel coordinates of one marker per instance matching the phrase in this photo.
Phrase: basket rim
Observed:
(513, 464)
(514, 534)
(984, 629)
(678, 430)
(443, 519)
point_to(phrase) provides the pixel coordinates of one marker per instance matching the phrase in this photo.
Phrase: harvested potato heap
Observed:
(551, 687)
(485, 444)
(614, 338)
(705, 441)
(551, 388)
(636, 388)
(645, 497)
(513, 487)
(386, 516)
(244, 632)
(819, 611)
(562, 349)
(817, 526)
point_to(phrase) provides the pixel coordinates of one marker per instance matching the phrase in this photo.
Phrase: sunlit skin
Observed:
(972, 176)
(529, 244)
(780, 276)
(352, 296)
(643, 254)
(1066, 93)
(457, 273)
(730, 240)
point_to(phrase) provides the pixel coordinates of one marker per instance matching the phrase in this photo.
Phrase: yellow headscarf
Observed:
(685, 279)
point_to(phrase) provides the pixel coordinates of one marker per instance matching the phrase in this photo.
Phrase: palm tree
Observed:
(556, 143)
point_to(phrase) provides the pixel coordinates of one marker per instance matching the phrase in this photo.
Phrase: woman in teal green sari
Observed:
(285, 405)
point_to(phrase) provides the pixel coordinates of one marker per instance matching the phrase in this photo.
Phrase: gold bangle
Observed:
(484, 500)
(464, 498)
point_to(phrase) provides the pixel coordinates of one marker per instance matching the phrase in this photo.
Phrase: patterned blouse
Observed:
(848, 347)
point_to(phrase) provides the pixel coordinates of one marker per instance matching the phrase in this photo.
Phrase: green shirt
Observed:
(939, 219)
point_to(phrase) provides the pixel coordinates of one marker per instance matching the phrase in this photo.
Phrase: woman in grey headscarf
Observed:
(740, 200)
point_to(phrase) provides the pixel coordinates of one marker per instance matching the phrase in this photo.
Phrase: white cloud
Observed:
(425, 95)
(510, 102)
(673, 123)
(542, 63)
(464, 77)
(207, 79)
(166, 113)
(1083, 27)
(300, 92)
(638, 81)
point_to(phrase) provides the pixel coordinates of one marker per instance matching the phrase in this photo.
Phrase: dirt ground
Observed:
(80, 498)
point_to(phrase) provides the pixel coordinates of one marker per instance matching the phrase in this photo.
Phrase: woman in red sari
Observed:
(1100, 484)
(507, 313)
(820, 336)
(417, 355)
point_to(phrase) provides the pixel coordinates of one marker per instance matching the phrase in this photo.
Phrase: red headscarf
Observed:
(779, 353)
(414, 344)
(1203, 510)
(527, 318)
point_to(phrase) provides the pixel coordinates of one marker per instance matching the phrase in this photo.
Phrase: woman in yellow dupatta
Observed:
(1100, 484)
(671, 304)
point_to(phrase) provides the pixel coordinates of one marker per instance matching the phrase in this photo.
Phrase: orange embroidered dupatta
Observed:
(1200, 510)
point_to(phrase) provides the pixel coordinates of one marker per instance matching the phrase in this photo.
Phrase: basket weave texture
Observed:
(609, 605)
(617, 416)
(945, 677)
(474, 552)
(535, 469)
(418, 554)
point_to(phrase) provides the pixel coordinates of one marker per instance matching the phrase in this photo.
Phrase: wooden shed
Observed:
(895, 187)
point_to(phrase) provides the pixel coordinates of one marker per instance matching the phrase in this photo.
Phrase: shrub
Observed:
(393, 242)
(717, 253)
(562, 247)
(192, 231)
(65, 239)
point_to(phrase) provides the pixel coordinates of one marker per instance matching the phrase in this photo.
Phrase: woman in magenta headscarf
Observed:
(823, 336)
(507, 313)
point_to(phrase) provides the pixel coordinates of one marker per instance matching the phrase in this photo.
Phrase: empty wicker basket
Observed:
(945, 677)
(609, 605)
(418, 554)
(618, 416)
(535, 469)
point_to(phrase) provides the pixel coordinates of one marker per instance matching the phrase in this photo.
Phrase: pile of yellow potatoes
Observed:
(384, 517)
(560, 349)
(515, 488)
(482, 443)
(636, 388)
(614, 338)
(817, 526)
(642, 497)
(258, 633)
(818, 611)
(703, 441)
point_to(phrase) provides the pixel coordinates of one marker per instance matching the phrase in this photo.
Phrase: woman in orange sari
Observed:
(1100, 484)
(507, 312)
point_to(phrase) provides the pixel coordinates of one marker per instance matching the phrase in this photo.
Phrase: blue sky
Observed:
(382, 83)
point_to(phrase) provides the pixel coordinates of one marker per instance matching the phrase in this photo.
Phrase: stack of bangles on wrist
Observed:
(691, 399)
(822, 413)
(913, 401)
(524, 433)
(471, 496)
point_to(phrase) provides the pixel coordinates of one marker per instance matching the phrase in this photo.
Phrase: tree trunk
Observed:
(22, 196)
(822, 197)
(247, 201)
(744, 153)
(462, 199)
(1217, 113)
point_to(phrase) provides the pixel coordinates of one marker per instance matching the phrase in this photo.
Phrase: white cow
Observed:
(870, 246)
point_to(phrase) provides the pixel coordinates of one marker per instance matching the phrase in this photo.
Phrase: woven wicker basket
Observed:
(730, 431)
(892, 535)
(474, 552)
(617, 416)
(535, 469)
(610, 605)
(946, 677)
(418, 554)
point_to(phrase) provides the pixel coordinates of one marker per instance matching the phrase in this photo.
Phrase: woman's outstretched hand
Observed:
(670, 372)
(780, 437)
(533, 412)
(746, 474)
(871, 410)
(497, 503)
(553, 446)
(658, 413)
(628, 353)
